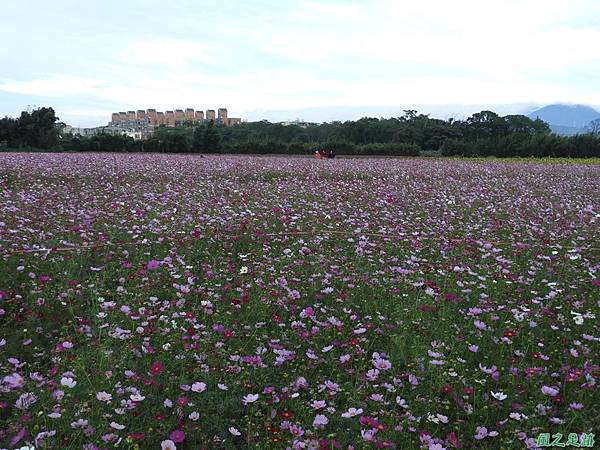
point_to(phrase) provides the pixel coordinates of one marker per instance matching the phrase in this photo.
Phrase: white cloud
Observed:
(54, 86)
(166, 51)
(380, 52)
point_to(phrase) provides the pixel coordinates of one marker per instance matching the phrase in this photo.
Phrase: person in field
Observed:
(324, 154)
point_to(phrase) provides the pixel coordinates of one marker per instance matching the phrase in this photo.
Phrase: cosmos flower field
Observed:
(176, 302)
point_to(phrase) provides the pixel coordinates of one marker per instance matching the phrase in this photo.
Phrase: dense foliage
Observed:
(157, 301)
(35, 129)
(483, 134)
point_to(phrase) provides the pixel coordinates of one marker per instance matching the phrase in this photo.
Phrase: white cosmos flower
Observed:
(250, 398)
(352, 412)
(198, 387)
(104, 396)
(117, 426)
(68, 382)
(499, 395)
(168, 445)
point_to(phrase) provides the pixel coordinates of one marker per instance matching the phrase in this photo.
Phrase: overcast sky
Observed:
(89, 58)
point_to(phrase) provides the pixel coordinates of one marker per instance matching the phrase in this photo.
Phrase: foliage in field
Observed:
(151, 301)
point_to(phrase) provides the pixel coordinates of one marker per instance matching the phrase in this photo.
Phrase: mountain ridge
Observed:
(566, 119)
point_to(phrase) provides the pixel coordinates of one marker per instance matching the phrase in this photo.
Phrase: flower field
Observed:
(176, 302)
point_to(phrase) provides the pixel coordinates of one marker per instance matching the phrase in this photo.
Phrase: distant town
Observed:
(141, 124)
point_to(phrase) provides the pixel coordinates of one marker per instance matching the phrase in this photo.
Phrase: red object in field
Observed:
(318, 155)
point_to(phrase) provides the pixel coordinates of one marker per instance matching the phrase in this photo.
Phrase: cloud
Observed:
(54, 86)
(270, 55)
(166, 51)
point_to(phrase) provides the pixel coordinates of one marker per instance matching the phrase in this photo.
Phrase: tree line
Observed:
(31, 130)
(483, 134)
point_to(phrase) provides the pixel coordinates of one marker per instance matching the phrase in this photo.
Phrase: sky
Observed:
(280, 59)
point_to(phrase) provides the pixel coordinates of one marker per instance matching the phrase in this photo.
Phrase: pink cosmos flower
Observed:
(480, 325)
(177, 436)
(480, 433)
(372, 374)
(153, 264)
(104, 396)
(453, 440)
(382, 364)
(352, 412)
(198, 387)
(344, 359)
(156, 368)
(549, 391)
(320, 421)
(14, 381)
(318, 404)
(434, 446)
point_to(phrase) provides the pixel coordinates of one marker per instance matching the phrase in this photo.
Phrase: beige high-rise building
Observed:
(222, 116)
(152, 116)
(142, 123)
(170, 118)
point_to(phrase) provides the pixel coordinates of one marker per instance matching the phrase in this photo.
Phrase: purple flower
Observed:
(198, 387)
(480, 325)
(320, 421)
(177, 436)
(549, 391)
(480, 433)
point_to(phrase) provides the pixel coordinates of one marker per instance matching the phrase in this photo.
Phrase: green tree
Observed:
(198, 140)
(486, 124)
(594, 127)
(8, 132)
(211, 139)
(37, 129)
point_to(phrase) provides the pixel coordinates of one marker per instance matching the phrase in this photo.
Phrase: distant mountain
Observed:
(561, 130)
(566, 119)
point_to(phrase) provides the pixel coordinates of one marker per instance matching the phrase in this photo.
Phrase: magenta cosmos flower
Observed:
(177, 436)
(153, 264)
